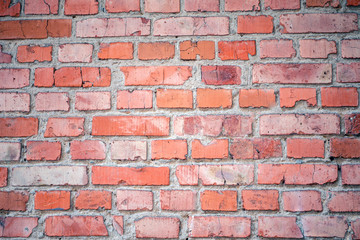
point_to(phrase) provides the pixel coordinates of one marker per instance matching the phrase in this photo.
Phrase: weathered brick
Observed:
(52, 200)
(3, 176)
(18, 127)
(286, 124)
(14, 102)
(322, 3)
(87, 199)
(290, 96)
(345, 147)
(44, 77)
(87, 150)
(318, 23)
(118, 224)
(257, 148)
(337, 200)
(54, 101)
(195, 26)
(221, 75)
(350, 174)
(296, 174)
(7, 10)
(64, 127)
(302, 201)
(217, 148)
(292, 73)
(81, 7)
(156, 75)
(312, 48)
(14, 200)
(274, 48)
(236, 50)
(6, 58)
(339, 97)
(202, 5)
(256, 98)
(213, 98)
(49, 175)
(219, 226)
(255, 24)
(178, 200)
(353, 3)
(242, 5)
(17, 226)
(348, 72)
(187, 174)
(116, 50)
(145, 176)
(41, 7)
(169, 149)
(282, 4)
(156, 50)
(305, 148)
(43, 151)
(14, 78)
(352, 124)
(174, 98)
(128, 150)
(218, 200)
(153, 227)
(162, 6)
(130, 200)
(355, 225)
(204, 50)
(34, 53)
(82, 77)
(75, 53)
(278, 227)
(71, 226)
(10, 151)
(115, 6)
(239, 174)
(260, 199)
(91, 101)
(350, 48)
(134, 99)
(324, 226)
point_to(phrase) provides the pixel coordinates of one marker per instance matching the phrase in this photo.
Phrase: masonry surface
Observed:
(179, 119)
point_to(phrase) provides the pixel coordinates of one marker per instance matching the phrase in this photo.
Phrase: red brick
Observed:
(308, 124)
(128, 150)
(242, 5)
(49, 175)
(260, 199)
(312, 48)
(202, 6)
(91, 101)
(75, 53)
(14, 78)
(87, 150)
(44, 77)
(156, 50)
(350, 174)
(204, 50)
(153, 227)
(52, 200)
(41, 7)
(18, 127)
(34, 53)
(115, 6)
(130, 125)
(35, 29)
(134, 99)
(221, 75)
(219, 226)
(323, 3)
(7, 10)
(6, 58)
(156, 75)
(353, 3)
(17, 226)
(255, 24)
(96, 77)
(162, 6)
(64, 127)
(257, 148)
(305, 148)
(116, 50)
(118, 224)
(237, 50)
(187, 174)
(81, 7)
(174, 98)
(339, 97)
(217, 148)
(210, 26)
(239, 174)
(168, 149)
(68, 77)
(214, 98)
(43, 151)
(256, 98)
(14, 200)
(324, 226)
(139, 200)
(3, 176)
(112, 27)
(292, 73)
(10, 151)
(282, 4)
(337, 200)
(318, 23)
(352, 124)
(218, 200)
(281, 48)
(145, 176)
(348, 72)
(355, 225)
(14, 102)
(54, 101)
(278, 227)
(350, 48)
(68, 226)
(302, 201)
(178, 200)
(290, 96)
(296, 174)
(96, 200)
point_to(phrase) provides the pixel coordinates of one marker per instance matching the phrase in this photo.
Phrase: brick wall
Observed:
(182, 119)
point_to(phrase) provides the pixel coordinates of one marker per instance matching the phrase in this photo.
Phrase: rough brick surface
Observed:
(39, 150)
(324, 226)
(134, 200)
(52, 200)
(14, 227)
(10, 151)
(279, 227)
(14, 102)
(260, 199)
(14, 201)
(218, 200)
(220, 174)
(153, 227)
(302, 201)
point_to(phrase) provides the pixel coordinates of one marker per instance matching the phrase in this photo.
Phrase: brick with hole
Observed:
(91, 199)
(18, 226)
(187, 175)
(257, 148)
(128, 150)
(350, 174)
(323, 3)
(30, 53)
(282, 5)
(312, 48)
(242, 5)
(339, 97)
(7, 10)
(219, 200)
(92, 101)
(44, 77)
(324, 226)
(260, 199)
(236, 50)
(14, 78)
(247, 24)
(221, 75)
(116, 50)
(156, 51)
(169, 149)
(41, 7)
(348, 72)
(302, 201)
(14, 200)
(64, 127)
(116, 6)
(43, 151)
(352, 124)
(52, 200)
(337, 200)
(174, 98)
(18, 127)
(136, 99)
(214, 98)
(178, 200)
(3, 177)
(52, 101)
(305, 148)
(278, 227)
(14, 102)
(134, 200)
(282, 48)
(81, 7)
(87, 150)
(217, 148)
(202, 5)
(255, 98)
(10, 151)
(290, 96)
(75, 53)
(153, 227)
(345, 147)
(204, 50)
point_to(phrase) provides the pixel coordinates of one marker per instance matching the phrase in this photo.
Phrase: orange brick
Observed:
(205, 50)
(237, 50)
(168, 149)
(255, 24)
(214, 98)
(134, 99)
(218, 148)
(174, 98)
(52, 200)
(156, 50)
(34, 53)
(117, 50)
(218, 200)
(256, 98)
